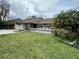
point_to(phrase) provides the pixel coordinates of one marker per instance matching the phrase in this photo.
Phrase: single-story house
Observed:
(35, 23)
(32, 23)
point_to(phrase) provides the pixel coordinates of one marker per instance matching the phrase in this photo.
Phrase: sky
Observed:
(41, 8)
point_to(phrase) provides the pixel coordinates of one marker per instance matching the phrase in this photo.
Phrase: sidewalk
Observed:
(7, 31)
(46, 32)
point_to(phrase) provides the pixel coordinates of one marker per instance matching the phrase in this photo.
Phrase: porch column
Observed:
(28, 27)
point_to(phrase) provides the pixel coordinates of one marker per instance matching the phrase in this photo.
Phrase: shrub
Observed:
(65, 34)
(71, 36)
(58, 32)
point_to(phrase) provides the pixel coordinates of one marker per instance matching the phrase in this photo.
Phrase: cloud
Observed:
(44, 8)
(25, 8)
(12, 13)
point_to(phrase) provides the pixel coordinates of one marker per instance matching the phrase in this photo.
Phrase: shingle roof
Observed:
(45, 21)
(37, 20)
(27, 21)
(32, 20)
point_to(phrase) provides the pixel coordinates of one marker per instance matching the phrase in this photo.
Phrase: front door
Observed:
(34, 25)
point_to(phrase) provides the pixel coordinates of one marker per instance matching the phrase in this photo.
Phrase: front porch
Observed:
(40, 27)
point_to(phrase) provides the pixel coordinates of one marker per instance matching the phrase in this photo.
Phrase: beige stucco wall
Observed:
(19, 27)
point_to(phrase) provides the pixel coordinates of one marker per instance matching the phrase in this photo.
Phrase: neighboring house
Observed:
(32, 23)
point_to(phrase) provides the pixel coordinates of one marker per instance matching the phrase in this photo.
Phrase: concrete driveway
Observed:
(6, 31)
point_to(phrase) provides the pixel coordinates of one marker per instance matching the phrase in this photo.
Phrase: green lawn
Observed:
(29, 45)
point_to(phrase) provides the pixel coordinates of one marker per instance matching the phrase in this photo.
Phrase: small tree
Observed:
(68, 19)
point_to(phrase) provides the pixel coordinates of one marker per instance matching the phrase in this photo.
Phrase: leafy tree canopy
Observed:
(67, 19)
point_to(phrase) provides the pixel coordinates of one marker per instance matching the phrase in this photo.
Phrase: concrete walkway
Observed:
(7, 31)
(46, 32)
(13, 31)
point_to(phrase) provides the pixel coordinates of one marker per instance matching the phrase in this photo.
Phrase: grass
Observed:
(30, 45)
